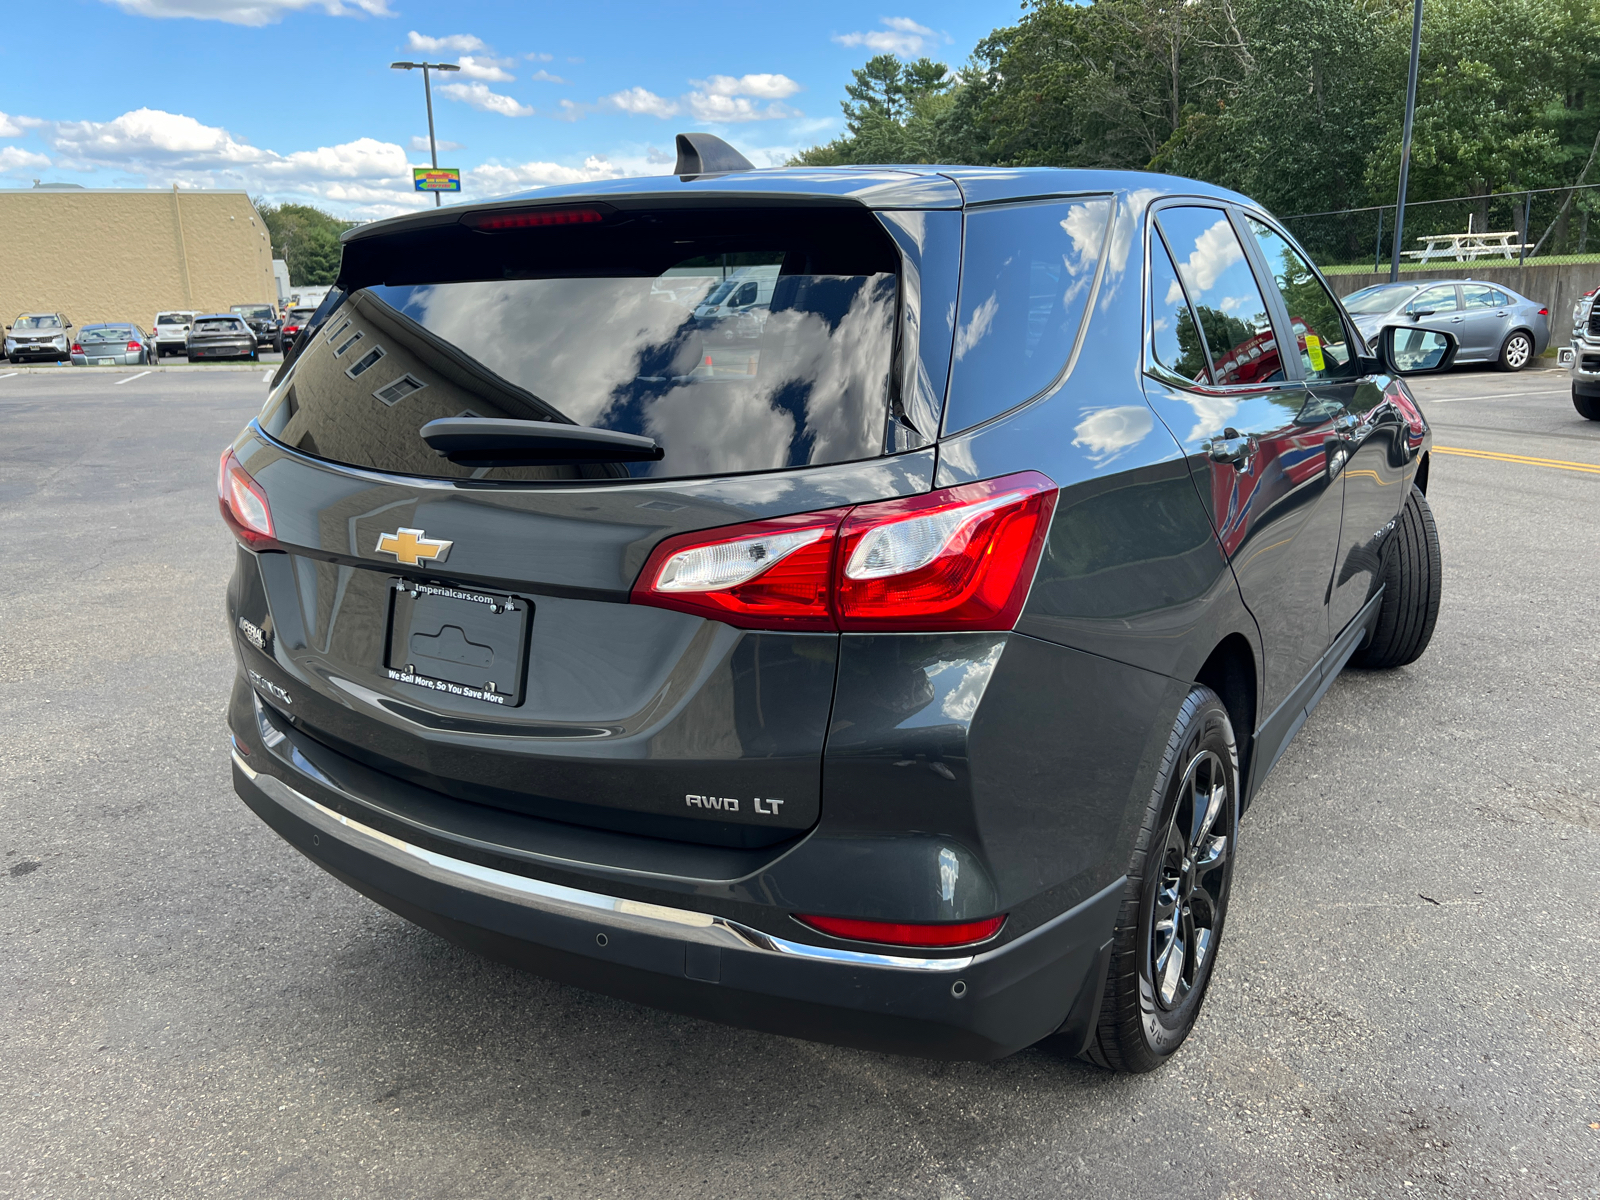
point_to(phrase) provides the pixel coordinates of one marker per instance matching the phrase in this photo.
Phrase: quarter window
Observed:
(1227, 301)
(1313, 312)
(1174, 336)
(1025, 282)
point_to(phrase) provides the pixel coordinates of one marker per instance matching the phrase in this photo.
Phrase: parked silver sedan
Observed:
(112, 344)
(1492, 323)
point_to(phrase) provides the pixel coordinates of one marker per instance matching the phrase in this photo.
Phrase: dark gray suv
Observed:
(890, 667)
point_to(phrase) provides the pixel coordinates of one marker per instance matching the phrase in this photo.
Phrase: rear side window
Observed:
(1325, 352)
(1025, 279)
(1227, 301)
(612, 325)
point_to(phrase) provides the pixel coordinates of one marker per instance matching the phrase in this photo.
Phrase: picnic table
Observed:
(1464, 246)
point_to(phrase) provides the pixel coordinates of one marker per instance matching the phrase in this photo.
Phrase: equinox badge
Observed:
(412, 547)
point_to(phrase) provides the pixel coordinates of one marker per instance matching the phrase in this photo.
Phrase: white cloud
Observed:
(900, 35)
(720, 98)
(461, 43)
(542, 76)
(496, 178)
(250, 12)
(9, 126)
(763, 87)
(537, 57)
(730, 109)
(1214, 252)
(480, 97)
(14, 159)
(640, 102)
(420, 145)
(490, 69)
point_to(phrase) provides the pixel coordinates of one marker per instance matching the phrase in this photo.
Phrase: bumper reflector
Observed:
(897, 933)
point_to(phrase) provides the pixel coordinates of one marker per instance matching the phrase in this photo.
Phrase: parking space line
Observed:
(9, 374)
(1523, 460)
(130, 378)
(267, 378)
(1490, 396)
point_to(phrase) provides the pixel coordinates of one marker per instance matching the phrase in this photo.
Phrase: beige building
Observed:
(126, 254)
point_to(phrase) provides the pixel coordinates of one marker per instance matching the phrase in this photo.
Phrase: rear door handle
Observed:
(1233, 447)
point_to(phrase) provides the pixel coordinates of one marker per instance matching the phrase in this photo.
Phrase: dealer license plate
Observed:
(458, 642)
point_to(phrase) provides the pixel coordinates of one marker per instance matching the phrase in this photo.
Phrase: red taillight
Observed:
(1544, 312)
(763, 575)
(77, 349)
(958, 558)
(291, 330)
(537, 219)
(244, 504)
(899, 933)
(135, 347)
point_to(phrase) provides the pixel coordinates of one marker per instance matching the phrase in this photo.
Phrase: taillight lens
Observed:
(244, 504)
(77, 349)
(899, 933)
(1544, 312)
(764, 575)
(958, 558)
(542, 218)
(135, 346)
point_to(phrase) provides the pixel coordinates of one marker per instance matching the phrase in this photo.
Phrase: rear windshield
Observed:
(176, 318)
(1379, 299)
(255, 312)
(608, 326)
(219, 325)
(299, 316)
(114, 333)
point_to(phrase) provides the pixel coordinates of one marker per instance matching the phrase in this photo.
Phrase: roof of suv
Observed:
(879, 187)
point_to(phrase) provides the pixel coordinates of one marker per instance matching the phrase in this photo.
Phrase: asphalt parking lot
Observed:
(1406, 1001)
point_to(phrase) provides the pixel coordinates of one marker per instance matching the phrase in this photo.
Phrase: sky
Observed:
(294, 100)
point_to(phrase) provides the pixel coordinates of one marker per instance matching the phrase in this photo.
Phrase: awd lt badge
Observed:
(413, 547)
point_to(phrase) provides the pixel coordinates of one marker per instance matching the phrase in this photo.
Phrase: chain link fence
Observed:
(1549, 227)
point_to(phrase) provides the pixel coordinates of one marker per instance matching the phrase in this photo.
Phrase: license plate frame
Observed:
(484, 659)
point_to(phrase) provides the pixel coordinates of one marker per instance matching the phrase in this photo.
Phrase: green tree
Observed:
(892, 114)
(307, 239)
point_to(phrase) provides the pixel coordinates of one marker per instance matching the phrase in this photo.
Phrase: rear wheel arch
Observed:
(1421, 480)
(1231, 672)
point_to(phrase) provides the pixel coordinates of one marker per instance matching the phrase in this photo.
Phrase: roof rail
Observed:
(707, 154)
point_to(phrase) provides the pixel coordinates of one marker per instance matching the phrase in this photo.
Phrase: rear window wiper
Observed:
(489, 442)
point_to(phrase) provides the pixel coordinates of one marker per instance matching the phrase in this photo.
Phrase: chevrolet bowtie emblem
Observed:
(411, 547)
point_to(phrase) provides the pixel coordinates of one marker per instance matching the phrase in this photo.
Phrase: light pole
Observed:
(1405, 140)
(427, 91)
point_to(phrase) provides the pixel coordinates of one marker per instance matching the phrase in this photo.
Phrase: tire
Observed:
(1412, 578)
(1516, 351)
(1148, 1009)
(188, 358)
(1588, 406)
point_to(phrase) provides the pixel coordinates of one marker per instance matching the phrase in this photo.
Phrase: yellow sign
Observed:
(435, 179)
(1314, 352)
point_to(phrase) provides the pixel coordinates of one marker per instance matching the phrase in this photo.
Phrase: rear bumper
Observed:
(975, 1007)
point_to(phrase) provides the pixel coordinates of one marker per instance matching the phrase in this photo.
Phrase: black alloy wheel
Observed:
(1516, 351)
(1588, 406)
(1170, 924)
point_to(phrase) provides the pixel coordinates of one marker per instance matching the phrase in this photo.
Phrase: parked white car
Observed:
(171, 330)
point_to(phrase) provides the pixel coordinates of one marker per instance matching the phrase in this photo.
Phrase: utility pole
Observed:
(1405, 140)
(427, 92)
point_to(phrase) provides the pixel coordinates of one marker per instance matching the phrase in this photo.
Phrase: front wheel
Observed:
(1170, 924)
(1588, 406)
(1412, 581)
(1516, 351)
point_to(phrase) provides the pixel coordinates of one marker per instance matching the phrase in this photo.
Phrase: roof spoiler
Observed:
(707, 154)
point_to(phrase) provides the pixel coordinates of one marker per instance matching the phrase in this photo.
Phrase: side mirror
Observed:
(1414, 313)
(1405, 350)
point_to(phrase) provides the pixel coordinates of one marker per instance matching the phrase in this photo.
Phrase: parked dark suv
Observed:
(892, 673)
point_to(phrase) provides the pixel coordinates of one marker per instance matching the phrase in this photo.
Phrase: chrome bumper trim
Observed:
(659, 920)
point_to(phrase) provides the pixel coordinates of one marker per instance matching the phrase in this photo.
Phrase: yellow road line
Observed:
(1495, 456)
